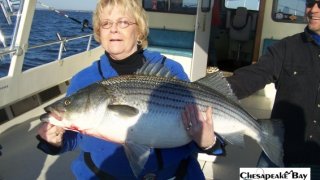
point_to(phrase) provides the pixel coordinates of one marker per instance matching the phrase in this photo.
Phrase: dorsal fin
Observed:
(218, 82)
(155, 69)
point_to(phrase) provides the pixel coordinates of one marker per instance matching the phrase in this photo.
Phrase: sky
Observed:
(69, 4)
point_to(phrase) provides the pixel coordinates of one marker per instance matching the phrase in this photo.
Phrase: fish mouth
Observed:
(50, 112)
(45, 117)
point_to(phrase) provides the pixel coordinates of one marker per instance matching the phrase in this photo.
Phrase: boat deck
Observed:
(22, 160)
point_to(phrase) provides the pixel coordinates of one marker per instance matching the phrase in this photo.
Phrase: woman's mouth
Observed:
(115, 40)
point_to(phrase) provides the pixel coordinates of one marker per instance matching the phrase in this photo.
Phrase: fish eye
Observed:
(67, 102)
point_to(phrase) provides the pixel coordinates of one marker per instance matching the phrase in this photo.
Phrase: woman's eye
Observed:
(123, 23)
(106, 24)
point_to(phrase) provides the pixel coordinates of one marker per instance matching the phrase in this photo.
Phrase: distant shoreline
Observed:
(72, 10)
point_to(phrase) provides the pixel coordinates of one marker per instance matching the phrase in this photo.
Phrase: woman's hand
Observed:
(51, 133)
(198, 127)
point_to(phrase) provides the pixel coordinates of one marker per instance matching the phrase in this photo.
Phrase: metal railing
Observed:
(62, 41)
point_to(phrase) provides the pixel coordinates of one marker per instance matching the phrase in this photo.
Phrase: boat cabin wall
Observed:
(179, 29)
(173, 35)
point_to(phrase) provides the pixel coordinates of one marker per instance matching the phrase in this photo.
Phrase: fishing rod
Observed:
(84, 23)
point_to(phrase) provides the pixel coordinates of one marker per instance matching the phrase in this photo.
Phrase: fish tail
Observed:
(272, 140)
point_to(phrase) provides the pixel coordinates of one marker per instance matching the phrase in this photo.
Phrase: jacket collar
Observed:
(105, 64)
(311, 36)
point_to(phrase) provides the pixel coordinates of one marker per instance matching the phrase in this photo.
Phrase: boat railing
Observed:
(10, 8)
(62, 41)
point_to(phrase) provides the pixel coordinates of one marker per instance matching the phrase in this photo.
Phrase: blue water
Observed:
(46, 24)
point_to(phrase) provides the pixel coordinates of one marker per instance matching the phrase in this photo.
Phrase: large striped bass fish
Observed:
(144, 110)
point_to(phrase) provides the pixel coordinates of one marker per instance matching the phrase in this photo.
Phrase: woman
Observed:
(121, 27)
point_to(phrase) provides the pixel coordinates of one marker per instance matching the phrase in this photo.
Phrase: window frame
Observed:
(189, 11)
(286, 17)
(244, 5)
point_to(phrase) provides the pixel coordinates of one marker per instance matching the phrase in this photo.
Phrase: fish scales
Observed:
(166, 93)
(153, 89)
(159, 87)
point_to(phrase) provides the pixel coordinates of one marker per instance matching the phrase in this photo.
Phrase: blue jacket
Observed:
(110, 157)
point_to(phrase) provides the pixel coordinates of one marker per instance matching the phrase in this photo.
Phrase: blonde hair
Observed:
(129, 6)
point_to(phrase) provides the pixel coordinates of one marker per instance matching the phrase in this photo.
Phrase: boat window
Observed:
(205, 5)
(289, 11)
(171, 6)
(250, 5)
(49, 25)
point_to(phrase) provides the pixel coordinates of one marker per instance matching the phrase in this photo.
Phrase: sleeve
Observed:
(176, 69)
(218, 149)
(249, 79)
(47, 148)
(74, 85)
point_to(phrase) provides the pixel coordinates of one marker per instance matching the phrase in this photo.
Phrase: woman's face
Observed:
(118, 42)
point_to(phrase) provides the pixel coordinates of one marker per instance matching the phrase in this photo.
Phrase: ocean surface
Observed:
(46, 24)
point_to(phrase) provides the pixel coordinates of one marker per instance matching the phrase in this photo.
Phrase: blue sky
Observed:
(69, 4)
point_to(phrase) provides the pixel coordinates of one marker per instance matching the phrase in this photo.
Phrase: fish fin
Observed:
(272, 139)
(218, 82)
(155, 69)
(137, 156)
(123, 110)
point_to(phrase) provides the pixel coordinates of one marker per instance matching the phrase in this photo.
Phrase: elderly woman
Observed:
(121, 27)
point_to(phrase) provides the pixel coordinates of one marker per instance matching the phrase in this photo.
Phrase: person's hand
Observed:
(51, 133)
(198, 127)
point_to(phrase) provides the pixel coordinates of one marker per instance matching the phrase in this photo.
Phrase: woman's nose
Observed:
(114, 27)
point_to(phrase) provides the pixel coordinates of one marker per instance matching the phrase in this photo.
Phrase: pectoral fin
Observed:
(137, 156)
(124, 110)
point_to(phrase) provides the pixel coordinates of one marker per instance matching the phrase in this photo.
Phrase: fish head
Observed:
(80, 111)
